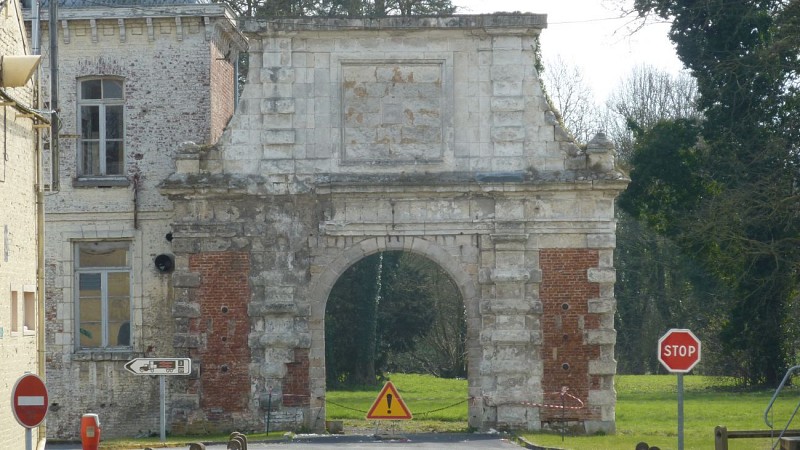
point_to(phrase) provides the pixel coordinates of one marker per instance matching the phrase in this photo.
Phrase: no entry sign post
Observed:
(679, 352)
(29, 403)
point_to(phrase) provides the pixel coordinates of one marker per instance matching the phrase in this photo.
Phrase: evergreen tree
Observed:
(381, 306)
(339, 8)
(742, 222)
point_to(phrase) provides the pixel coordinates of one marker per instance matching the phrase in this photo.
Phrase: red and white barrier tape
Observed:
(575, 402)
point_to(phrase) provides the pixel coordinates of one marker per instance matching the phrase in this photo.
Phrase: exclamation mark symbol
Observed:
(389, 402)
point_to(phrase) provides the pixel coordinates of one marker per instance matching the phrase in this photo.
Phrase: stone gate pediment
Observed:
(400, 96)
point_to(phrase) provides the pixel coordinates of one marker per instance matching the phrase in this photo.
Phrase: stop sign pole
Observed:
(679, 352)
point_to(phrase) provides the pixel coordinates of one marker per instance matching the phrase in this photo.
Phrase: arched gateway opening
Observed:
(396, 312)
(423, 135)
(454, 266)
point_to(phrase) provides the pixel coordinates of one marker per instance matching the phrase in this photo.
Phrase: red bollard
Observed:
(90, 431)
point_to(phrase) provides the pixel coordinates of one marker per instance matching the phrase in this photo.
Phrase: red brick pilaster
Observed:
(223, 327)
(565, 291)
(296, 385)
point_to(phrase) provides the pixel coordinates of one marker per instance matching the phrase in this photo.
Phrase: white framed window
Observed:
(102, 127)
(103, 294)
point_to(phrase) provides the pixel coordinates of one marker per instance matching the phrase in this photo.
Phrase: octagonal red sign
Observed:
(29, 400)
(679, 350)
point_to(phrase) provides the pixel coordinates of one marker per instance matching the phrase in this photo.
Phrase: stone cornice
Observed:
(198, 10)
(216, 17)
(524, 182)
(501, 23)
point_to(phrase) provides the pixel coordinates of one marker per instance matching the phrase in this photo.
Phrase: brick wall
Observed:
(566, 317)
(165, 61)
(166, 82)
(296, 384)
(222, 92)
(223, 295)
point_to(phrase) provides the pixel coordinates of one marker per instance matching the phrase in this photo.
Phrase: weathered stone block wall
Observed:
(448, 95)
(18, 243)
(427, 135)
(262, 239)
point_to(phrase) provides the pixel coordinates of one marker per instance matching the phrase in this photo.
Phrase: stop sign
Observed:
(679, 350)
(29, 400)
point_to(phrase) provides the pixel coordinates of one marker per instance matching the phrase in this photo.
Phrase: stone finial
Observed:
(600, 153)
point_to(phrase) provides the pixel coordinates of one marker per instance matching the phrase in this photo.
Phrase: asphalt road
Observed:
(427, 441)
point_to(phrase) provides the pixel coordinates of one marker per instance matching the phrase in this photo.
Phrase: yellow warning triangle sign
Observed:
(389, 405)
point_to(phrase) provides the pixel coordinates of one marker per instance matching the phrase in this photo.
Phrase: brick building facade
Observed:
(136, 79)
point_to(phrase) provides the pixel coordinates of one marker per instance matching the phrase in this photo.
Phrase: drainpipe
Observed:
(38, 166)
(40, 278)
(55, 122)
(236, 60)
(36, 34)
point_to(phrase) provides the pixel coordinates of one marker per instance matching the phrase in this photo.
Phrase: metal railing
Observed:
(772, 402)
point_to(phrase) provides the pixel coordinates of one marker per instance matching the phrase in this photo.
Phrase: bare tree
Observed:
(645, 97)
(658, 284)
(572, 99)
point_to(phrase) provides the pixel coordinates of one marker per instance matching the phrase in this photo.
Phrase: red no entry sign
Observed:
(679, 350)
(29, 400)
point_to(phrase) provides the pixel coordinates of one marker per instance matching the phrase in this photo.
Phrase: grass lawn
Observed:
(646, 411)
(437, 404)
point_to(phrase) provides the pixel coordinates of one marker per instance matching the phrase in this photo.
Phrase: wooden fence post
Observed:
(720, 438)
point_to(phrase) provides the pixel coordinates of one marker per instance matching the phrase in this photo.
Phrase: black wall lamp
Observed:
(165, 263)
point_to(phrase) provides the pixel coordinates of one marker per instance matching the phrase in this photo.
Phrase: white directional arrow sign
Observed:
(159, 366)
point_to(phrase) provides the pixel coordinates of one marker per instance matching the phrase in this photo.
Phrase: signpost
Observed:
(159, 366)
(162, 367)
(29, 403)
(679, 352)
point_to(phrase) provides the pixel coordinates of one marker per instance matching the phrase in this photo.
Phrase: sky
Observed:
(590, 35)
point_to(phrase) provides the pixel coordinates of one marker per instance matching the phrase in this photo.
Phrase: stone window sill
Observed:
(104, 355)
(116, 181)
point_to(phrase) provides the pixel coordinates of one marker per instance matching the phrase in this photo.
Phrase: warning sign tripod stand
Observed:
(389, 405)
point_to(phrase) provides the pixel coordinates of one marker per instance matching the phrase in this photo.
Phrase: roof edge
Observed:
(527, 22)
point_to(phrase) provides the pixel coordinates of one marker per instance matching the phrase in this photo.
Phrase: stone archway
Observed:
(429, 135)
(330, 272)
